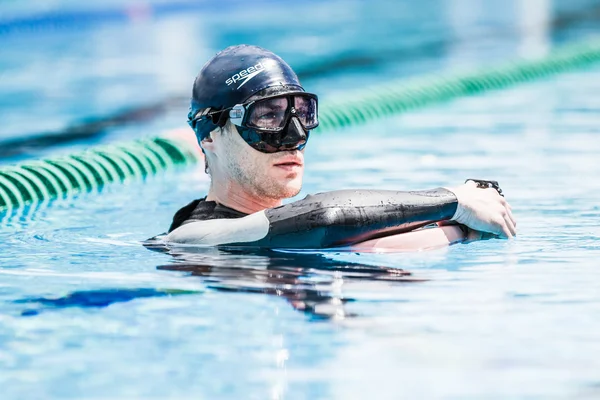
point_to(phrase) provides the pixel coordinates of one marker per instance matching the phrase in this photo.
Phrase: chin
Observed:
(291, 191)
(288, 189)
(286, 186)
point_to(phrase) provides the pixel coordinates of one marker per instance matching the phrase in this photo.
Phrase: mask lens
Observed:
(306, 111)
(268, 114)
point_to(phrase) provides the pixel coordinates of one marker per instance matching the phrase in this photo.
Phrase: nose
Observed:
(295, 135)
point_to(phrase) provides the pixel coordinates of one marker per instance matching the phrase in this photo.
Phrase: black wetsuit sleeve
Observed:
(345, 217)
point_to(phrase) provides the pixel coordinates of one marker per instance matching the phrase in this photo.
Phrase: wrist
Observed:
(456, 193)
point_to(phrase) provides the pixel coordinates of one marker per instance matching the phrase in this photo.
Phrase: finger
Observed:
(510, 225)
(506, 230)
(508, 208)
(511, 216)
(471, 183)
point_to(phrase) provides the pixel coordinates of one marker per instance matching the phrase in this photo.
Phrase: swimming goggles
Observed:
(273, 114)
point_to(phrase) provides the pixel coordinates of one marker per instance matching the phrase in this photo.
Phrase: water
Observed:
(87, 312)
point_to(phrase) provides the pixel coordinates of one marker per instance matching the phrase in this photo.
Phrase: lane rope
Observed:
(401, 96)
(89, 171)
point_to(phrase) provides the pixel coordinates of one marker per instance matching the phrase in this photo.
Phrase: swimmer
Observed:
(252, 119)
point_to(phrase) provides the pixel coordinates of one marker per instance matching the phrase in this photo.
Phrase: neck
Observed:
(232, 195)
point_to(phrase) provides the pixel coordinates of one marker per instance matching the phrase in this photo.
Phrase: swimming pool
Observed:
(87, 312)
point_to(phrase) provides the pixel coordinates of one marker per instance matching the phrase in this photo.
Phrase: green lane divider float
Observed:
(88, 171)
(400, 96)
(38, 181)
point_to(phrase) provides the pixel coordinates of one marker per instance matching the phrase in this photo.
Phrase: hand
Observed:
(484, 210)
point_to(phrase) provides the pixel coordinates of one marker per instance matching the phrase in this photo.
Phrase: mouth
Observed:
(289, 164)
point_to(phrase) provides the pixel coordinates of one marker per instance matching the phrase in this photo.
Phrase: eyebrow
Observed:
(270, 107)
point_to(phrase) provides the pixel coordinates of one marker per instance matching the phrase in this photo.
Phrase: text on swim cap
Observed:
(245, 75)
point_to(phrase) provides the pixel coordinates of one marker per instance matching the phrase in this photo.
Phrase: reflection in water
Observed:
(95, 298)
(310, 282)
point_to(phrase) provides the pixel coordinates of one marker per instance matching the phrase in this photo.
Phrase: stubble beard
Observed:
(260, 184)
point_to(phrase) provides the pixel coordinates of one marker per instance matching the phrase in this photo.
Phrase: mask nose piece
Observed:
(295, 135)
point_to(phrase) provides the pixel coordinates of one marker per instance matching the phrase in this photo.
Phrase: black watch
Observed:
(483, 184)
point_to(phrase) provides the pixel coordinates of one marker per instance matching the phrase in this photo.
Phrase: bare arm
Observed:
(422, 239)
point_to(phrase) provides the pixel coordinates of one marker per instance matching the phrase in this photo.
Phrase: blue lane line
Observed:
(85, 18)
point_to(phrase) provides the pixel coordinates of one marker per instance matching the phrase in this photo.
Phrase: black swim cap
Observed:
(233, 76)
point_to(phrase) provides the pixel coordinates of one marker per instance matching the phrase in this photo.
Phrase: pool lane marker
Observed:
(400, 96)
(89, 171)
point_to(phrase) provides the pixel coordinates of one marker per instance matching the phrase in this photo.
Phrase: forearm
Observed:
(421, 239)
(350, 216)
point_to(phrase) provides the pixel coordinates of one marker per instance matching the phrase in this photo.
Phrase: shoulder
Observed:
(202, 210)
(184, 214)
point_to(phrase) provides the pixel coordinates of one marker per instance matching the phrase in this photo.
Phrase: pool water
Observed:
(86, 311)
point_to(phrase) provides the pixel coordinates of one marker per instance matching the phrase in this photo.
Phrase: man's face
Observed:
(274, 175)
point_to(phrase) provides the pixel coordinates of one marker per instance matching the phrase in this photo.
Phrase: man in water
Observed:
(252, 119)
